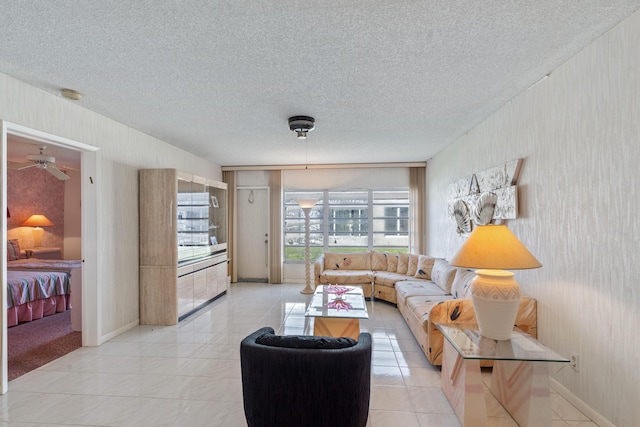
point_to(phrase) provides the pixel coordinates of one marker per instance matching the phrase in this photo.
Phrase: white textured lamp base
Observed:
(496, 298)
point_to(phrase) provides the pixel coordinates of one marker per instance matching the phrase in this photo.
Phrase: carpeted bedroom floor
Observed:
(34, 344)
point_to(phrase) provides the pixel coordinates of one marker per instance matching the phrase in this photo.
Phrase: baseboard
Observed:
(119, 331)
(579, 404)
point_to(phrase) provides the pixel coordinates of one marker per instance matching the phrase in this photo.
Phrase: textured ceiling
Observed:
(387, 81)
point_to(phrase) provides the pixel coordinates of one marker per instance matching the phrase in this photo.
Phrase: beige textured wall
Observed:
(579, 133)
(122, 152)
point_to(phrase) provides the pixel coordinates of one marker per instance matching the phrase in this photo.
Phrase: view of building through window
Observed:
(347, 221)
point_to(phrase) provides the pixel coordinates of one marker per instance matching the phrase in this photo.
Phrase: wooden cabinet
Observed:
(183, 244)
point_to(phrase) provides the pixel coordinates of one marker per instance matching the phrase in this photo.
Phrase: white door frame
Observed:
(91, 314)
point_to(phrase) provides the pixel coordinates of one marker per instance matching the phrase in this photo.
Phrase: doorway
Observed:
(87, 242)
(253, 235)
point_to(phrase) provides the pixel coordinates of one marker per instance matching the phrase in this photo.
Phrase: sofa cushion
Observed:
(425, 264)
(392, 262)
(412, 266)
(443, 274)
(422, 305)
(461, 287)
(412, 288)
(403, 263)
(347, 261)
(390, 279)
(343, 277)
(378, 261)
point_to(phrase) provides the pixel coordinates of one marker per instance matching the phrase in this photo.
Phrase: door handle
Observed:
(266, 252)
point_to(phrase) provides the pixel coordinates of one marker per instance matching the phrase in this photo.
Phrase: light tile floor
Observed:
(189, 375)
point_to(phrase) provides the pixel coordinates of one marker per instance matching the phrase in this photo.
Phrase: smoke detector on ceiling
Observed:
(71, 94)
(301, 125)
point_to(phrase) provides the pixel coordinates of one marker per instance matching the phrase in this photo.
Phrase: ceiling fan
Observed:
(42, 162)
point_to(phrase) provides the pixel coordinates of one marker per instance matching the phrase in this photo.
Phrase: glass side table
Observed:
(520, 377)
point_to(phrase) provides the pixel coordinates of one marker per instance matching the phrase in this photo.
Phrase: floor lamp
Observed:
(306, 205)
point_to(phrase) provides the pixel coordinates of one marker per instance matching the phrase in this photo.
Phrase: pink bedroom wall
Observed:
(35, 191)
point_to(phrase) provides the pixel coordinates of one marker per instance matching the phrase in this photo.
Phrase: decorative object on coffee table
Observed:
(495, 293)
(337, 315)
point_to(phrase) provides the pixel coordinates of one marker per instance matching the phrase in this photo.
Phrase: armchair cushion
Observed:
(305, 341)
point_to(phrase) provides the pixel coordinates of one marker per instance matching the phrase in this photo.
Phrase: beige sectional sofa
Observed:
(376, 272)
(426, 290)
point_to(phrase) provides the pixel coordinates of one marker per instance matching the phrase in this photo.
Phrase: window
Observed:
(347, 221)
(294, 228)
(390, 220)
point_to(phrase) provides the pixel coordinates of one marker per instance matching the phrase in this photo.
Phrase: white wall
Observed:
(579, 133)
(123, 151)
(339, 179)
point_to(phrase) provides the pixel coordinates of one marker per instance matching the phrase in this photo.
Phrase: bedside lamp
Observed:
(306, 205)
(37, 221)
(495, 293)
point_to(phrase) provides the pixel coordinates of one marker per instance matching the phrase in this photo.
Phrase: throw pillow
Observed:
(442, 274)
(403, 263)
(412, 266)
(13, 250)
(424, 267)
(305, 341)
(378, 261)
(461, 287)
(392, 262)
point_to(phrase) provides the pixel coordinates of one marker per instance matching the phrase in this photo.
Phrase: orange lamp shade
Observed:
(37, 221)
(494, 247)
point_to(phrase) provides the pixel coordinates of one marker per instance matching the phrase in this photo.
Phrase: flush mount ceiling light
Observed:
(71, 94)
(301, 125)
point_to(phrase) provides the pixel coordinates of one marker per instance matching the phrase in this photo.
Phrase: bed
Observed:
(38, 288)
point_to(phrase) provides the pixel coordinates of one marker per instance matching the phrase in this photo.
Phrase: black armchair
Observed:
(301, 380)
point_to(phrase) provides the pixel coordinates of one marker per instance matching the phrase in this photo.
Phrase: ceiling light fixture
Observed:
(301, 125)
(71, 94)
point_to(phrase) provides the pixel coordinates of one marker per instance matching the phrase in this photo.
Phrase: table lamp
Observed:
(494, 292)
(37, 221)
(306, 205)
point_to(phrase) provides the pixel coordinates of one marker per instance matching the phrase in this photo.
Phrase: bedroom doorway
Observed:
(82, 240)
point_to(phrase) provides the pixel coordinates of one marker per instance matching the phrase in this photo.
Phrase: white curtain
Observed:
(275, 226)
(417, 184)
(229, 177)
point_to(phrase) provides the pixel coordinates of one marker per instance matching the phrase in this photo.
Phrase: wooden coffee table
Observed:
(335, 316)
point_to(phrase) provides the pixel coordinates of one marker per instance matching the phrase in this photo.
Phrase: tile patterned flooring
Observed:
(189, 375)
